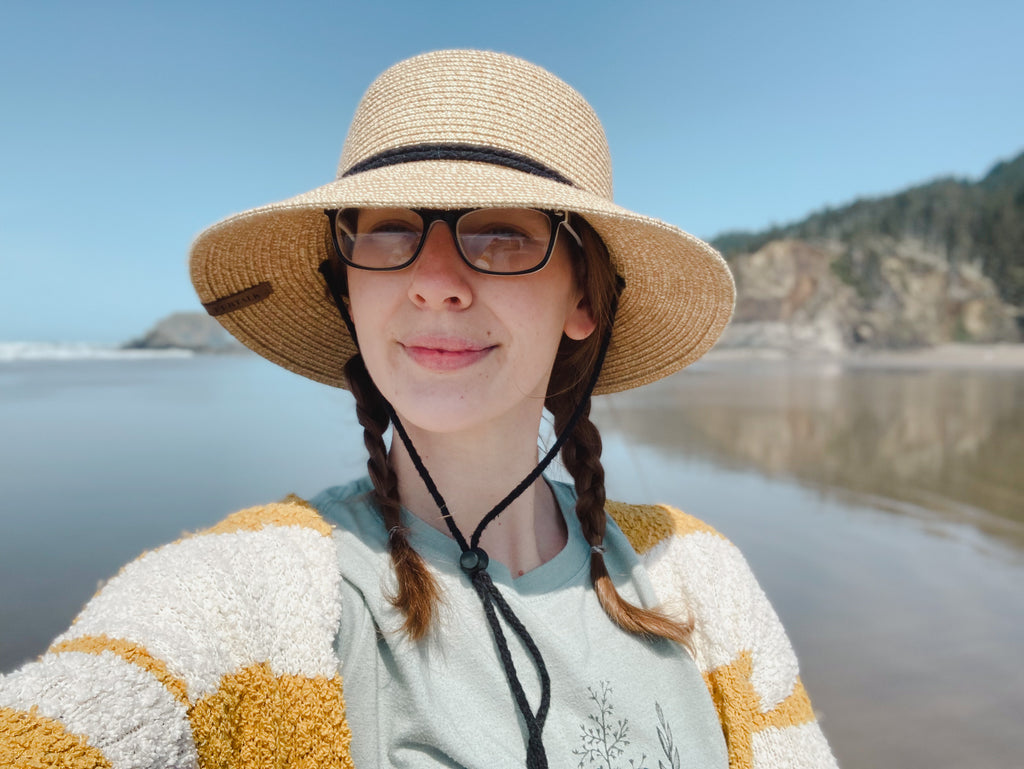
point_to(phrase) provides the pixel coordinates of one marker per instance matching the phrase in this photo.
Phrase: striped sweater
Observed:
(218, 651)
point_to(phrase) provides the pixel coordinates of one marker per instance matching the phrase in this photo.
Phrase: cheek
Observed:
(367, 307)
(369, 297)
(540, 318)
(357, 295)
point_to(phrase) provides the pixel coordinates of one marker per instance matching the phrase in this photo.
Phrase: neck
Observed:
(474, 473)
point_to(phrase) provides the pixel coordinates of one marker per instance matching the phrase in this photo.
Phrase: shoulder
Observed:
(698, 573)
(290, 512)
(648, 525)
(193, 648)
(738, 642)
(226, 596)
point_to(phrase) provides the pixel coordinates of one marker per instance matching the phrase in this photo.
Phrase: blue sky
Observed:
(127, 127)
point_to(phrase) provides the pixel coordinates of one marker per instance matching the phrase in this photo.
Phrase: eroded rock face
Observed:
(827, 296)
(189, 331)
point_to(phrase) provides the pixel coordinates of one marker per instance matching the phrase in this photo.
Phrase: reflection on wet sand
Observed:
(895, 559)
(934, 442)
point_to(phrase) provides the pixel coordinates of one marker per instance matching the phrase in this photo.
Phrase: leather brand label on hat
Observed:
(240, 299)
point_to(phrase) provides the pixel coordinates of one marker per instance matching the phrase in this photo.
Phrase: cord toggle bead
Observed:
(473, 560)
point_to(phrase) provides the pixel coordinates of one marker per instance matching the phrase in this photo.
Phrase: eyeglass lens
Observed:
(499, 240)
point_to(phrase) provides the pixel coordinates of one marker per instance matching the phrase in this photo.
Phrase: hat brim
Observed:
(678, 297)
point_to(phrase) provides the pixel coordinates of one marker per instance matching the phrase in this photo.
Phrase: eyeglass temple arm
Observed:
(569, 228)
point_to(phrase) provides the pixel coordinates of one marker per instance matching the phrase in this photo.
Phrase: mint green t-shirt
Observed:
(616, 700)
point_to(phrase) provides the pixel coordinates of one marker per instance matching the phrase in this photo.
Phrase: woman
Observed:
(466, 269)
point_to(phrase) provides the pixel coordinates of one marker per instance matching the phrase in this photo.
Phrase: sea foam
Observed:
(22, 351)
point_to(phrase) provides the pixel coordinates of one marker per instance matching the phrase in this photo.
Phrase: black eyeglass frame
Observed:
(558, 219)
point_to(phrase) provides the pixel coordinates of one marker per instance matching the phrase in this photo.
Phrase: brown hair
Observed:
(418, 591)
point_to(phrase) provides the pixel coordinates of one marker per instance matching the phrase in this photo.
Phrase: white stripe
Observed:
(794, 747)
(732, 612)
(214, 604)
(120, 709)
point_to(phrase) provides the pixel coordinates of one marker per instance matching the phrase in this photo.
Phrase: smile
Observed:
(445, 354)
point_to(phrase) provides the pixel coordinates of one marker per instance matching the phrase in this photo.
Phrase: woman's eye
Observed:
(392, 228)
(503, 231)
(497, 242)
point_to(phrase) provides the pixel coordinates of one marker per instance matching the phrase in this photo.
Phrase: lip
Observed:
(445, 353)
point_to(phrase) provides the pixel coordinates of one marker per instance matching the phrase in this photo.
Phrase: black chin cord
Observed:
(474, 560)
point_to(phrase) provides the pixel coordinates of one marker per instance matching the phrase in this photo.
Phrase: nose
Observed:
(440, 279)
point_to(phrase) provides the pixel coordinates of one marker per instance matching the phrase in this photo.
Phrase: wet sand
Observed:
(978, 357)
(881, 503)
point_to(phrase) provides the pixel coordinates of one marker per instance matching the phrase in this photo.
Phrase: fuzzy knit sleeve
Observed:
(738, 642)
(214, 651)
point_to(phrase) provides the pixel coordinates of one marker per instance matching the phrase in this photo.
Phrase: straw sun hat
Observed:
(462, 129)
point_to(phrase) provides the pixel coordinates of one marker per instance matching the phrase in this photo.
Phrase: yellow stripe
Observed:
(295, 499)
(794, 710)
(736, 702)
(647, 525)
(131, 652)
(290, 512)
(28, 740)
(258, 719)
(739, 708)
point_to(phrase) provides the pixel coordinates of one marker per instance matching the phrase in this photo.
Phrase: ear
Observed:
(580, 323)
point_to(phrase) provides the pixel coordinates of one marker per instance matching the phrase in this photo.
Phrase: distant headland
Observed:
(195, 331)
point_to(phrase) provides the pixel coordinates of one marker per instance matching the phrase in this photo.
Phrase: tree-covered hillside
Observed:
(967, 222)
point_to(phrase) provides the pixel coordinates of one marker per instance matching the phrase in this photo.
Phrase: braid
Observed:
(581, 452)
(581, 456)
(418, 591)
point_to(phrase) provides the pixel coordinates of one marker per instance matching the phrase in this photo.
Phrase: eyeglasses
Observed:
(495, 241)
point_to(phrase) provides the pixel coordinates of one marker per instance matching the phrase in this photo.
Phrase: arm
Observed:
(216, 650)
(738, 642)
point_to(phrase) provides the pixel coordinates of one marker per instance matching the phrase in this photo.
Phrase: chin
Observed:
(438, 426)
(455, 412)
(441, 415)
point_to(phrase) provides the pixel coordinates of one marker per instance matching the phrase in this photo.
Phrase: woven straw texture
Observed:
(679, 293)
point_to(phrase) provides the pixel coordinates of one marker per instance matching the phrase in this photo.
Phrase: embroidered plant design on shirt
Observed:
(604, 739)
(665, 736)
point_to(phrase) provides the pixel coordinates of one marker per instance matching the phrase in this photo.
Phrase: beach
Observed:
(877, 497)
(988, 357)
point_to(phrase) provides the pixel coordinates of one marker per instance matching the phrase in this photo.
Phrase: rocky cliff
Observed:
(942, 262)
(829, 296)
